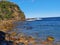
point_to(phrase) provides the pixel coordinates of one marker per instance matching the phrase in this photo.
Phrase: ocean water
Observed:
(40, 28)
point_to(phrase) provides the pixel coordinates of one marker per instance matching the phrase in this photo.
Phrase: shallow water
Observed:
(40, 29)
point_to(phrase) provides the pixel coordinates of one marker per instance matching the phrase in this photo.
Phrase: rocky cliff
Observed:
(9, 13)
(9, 10)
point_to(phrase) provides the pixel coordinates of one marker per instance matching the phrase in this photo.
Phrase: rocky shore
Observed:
(8, 39)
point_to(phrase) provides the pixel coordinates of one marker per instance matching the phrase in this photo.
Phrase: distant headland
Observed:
(45, 19)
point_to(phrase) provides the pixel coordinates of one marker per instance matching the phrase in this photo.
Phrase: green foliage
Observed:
(1, 18)
(8, 16)
(8, 8)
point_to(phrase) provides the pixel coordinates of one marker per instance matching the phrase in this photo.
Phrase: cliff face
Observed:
(9, 13)
(9, 10)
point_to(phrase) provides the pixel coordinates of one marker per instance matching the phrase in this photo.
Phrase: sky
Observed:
(39, 8)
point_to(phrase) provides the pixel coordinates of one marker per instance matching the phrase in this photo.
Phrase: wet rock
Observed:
(3, 41)
(29, 27)
(21, 43)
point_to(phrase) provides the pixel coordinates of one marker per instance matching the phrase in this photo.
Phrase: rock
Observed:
(2, 36)
(9, 13)
(9, 10)
(3, 41)
(21, 43)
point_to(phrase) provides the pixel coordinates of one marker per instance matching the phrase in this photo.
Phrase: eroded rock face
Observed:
(9, 10)
(9, 13)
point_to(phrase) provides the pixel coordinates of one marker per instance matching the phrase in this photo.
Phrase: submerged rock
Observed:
(21, 43)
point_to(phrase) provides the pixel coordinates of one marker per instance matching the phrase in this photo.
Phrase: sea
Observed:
(40, 29)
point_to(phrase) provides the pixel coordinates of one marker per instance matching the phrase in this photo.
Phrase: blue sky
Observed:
(39, 8)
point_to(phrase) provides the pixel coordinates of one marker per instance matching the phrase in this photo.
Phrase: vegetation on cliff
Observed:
(9, 10)
(9, 13)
